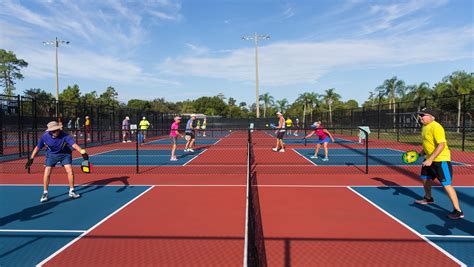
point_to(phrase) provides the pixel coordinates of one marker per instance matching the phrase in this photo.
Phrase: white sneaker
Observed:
(282, 150)
(173, 159)
(314, 157)
(129, 141)
(44, 197)
(73, 194)
(124, 141)
(190, 150)
(275, 149)
(186, 150)
(325, 159)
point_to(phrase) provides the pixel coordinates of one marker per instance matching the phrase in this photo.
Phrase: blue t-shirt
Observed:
(59, 145)
(189, 125)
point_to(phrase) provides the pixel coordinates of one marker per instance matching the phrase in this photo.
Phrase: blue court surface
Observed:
(356, 156)
(31, 231)
(182, 141)
(155, 157)
(296, 140)
(454, 236)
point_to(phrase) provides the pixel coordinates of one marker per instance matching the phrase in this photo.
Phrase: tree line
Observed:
(390, 92)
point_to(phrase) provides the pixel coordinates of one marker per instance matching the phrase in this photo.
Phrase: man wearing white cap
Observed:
(189, 134)
(280, 132)
(126, 130)
(58, 149)
(174, 137)
(144, 125)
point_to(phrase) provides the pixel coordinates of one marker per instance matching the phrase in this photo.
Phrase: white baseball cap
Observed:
(144, 118)
(279, 113)
(177, 118)
(193, 115)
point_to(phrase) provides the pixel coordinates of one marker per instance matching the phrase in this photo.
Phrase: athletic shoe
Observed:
(190, 150)
(314, 157)
(124, 141)
(73, 194)
(275, 149)
(295, 134)
(44, 197)
(186, 150)
(282, 150)
(173, 159)
(456, 214)
(129, 141)
(425, 201)
(325, 159)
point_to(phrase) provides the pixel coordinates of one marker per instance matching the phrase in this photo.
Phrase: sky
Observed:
(185, 49)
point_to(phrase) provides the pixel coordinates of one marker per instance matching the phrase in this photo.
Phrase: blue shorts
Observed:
(325, 140)
(443, 171)
(53, 159)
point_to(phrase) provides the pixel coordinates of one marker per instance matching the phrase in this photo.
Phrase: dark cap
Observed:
(428, 111)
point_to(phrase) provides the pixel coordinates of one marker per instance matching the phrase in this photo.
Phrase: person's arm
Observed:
(330, 135)
(83, 152)
(33, 154)
(309, 135)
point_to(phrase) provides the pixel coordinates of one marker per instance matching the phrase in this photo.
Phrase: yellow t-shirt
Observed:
(289, 122)
(144, 124)
(433, 134)
(88, 122)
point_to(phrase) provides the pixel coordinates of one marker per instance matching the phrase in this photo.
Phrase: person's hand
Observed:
(28, 164)
(84, 154)
(332, 140)
(427, 162)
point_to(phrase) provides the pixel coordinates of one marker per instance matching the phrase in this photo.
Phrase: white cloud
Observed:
(289, 11)
(304, 62)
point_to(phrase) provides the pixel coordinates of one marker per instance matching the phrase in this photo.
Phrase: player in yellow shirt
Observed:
(289, 125)
(437, 163)
(144, 125)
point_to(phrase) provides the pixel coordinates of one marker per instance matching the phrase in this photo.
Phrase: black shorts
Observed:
(191, 134)
(280, 135)
(442, 170)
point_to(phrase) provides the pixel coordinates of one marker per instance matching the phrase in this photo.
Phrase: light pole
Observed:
(255, 38)
(56, 43)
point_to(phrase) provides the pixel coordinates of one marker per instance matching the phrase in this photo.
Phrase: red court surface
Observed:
(335, 227)
(167, 226)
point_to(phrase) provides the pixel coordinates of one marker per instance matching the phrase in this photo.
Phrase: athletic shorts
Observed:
(325, 140)
(442, 170)
(53, 159)
(174, 140)
(191, 134)
(280, 135)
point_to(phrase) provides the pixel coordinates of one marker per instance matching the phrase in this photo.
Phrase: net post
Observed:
(366, 152)
(464, 123)
(136, 149)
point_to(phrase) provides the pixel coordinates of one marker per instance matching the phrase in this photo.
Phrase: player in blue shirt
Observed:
(58, 149)
(189, 134)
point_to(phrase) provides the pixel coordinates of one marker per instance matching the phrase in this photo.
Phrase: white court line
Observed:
(40, 231)
(193, 158)
(239, 185)
(451, 236)
(92, 228)
(305, 157)
(100, 153)
(408, 227)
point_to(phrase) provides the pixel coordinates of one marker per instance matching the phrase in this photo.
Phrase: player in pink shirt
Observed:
(324, 136)
(174, 137)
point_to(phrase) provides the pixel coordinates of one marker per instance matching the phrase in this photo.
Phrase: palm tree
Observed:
(267, 102)
(390, 87)
(419, 92)
(282, 104)
(330, 97)
(459, 83)
(309, 101)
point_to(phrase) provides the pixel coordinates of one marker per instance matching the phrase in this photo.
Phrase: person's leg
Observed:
(325, 145)
(277, 144)
(191, 144)
(173, 149)
(452, 196)
(46, 177)
(427, 184)
(316, 151)
(70, 175)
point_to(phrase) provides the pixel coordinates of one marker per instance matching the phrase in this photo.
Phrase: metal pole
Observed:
(255, 37)
(138, 164)
(398, 121)
(366, 152)
(464, 123)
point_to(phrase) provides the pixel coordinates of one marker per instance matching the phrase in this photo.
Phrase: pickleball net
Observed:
(254, 254)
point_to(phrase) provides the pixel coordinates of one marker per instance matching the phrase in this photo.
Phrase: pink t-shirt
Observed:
(320, 133)
(174, 129)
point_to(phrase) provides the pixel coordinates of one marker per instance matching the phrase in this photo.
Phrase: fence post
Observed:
(378, 121)
(398, 122)
(464, 105)
(1, 131)
(18, 104)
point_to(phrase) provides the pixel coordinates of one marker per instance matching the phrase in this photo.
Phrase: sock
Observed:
(45, 191)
